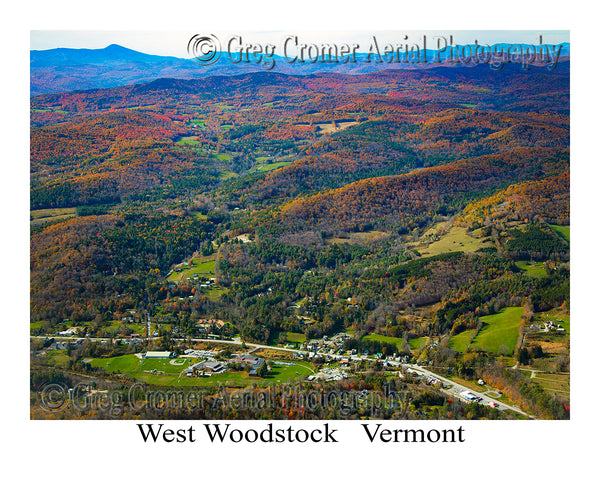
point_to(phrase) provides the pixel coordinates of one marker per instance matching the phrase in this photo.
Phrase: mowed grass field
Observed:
(461, 341)
(196, 266)
(563, 231)
(417, 342)
(455, 240)
(499, 330)
(296, 337)
(141, 369)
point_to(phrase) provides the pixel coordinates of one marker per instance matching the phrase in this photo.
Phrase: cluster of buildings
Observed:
(254, 362)
(326, 345)
(206, 368)
(210, 366)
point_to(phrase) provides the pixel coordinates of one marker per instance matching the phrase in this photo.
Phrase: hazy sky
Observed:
(175, 42)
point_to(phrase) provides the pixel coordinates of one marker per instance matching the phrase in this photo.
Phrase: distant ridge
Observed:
(67, 69)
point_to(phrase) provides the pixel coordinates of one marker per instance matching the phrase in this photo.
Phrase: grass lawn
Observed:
(58, 358)
(200, 268)
(563, 231)
(461, 341)
(130, 364)
(296, 337)
(39, 324)
(214, 293)
(535, 270)
(500, 329)
(455, 240)
(142, 370)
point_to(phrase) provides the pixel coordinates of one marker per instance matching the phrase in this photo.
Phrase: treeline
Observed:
(364, 345)
(533, 243)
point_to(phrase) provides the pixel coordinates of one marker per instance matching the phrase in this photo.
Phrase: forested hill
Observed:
(512, 88)
(412, 200)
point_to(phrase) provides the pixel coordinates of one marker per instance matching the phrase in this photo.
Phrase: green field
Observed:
(272, 166)
(382, 338)
(200, 268)
(192, 141)
(222, 157)
(214, 293)
(500, 329)
(563, 231)
(461, 341)
(417, 342)
(535, 270)
(58, 358)
(142, 370)
(455, 240)
(39, 324)
(296, 337)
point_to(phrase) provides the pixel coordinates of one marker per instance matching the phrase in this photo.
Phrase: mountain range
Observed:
(67, 69)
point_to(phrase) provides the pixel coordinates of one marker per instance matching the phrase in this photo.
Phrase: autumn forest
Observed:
(415, 211)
